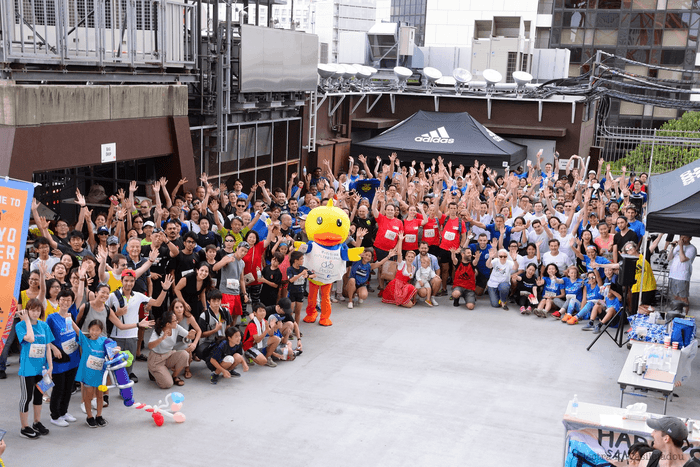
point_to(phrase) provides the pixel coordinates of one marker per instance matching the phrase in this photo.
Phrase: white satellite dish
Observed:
(462, 77)
(326, 70)
(431, 75)
(522, 79)
(491, 77)
(402, 74)
(363, 72)
(373, 71)
(339, 71)
(446, 81)
(350, 72)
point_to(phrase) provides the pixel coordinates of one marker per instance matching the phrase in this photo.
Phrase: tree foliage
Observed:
(668, 156)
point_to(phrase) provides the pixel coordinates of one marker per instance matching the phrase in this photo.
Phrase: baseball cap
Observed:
(128, 272)
(103, 230)
(286, 304)
(592, 172)
(149, 224)
(670, 426)
(112, 240)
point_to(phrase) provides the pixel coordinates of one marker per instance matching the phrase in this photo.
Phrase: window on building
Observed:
(511, 66)
(672, 57)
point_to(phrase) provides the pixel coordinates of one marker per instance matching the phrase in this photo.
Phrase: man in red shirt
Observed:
(464, 281)
(454, 234)
(259, 340)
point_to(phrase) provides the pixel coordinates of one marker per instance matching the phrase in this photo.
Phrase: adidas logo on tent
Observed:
(436, 136)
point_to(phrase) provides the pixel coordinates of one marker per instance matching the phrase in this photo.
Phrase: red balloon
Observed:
(158, 418)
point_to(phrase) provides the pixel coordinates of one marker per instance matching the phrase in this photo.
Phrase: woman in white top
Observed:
(162, 359)
(502, 267)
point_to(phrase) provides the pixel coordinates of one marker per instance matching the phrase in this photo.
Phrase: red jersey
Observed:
(387, 232)
(452, 230)
(253, 261)
(431, 232)
(465, 276)
(410, 228)
(248, 335)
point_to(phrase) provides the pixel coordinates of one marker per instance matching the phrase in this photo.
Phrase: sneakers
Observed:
(588, 327)
(556, 315)
(101, 422)
(235, 374)
(505, 306)
(214, 378)
(539, 312)
(334, 300)
(566, 318)
(105, 402)
(433, 301)
(596, 328)
(528, 310)
(360, 301)
(133, 378)
(270, 363)
(93, 404)
(455, 302)
(427, 302)
(59, 422)
(91, 422)
(28, 432)
(3, 375)
(351, 305)
(69, 418)
(573, 320)
(523, 311)
(41, 429)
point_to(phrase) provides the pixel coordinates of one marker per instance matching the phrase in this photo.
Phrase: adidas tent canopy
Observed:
(674, 201)
(457, 137)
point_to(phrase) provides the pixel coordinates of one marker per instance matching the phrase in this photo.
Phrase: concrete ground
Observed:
(384, 386)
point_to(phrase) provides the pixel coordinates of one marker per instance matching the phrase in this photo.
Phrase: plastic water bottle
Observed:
(668, 356)
(574, 405)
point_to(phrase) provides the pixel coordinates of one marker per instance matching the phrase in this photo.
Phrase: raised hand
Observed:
(182, 181)
(156, 186)
(79, 198)
(132, 186)
(163, 182)
(168, 281)
(362, 158)
(294, 176)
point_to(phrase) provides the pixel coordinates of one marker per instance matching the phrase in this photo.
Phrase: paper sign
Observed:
(109, 152)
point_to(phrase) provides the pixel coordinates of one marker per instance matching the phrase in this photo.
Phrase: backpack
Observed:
(459, 229)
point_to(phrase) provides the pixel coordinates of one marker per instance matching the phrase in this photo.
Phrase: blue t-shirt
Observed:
(598, 260)
(574, 288)
(551, 286)
(32, 359)
(94, 350)
(261, 226)
(304, 209)
(481, 265)
(593, 294)
(298, 285)
(360, 272)
(366, 188)
(495, 233)
(65, 339)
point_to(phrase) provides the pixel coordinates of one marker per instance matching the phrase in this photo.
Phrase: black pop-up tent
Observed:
(674, 201)
(457, 137)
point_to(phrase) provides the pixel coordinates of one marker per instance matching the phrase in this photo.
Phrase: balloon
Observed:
(177, 397)
(158, 418)
(175, 407)
(179, 417)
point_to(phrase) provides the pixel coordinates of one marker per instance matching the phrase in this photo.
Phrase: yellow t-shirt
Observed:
(50, 309)
(113, 282)
(649, 279)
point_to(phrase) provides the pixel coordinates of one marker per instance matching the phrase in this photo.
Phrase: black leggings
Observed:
(60, 397)
(29, 392)
(254, 294)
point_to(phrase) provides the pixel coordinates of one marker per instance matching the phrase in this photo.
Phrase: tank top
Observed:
(90, 314)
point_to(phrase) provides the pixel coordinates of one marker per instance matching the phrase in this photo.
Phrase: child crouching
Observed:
(226, 356)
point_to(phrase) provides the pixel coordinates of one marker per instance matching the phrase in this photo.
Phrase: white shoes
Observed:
(59, 422)
(69, 418)
(350, 304)
(360, 301)
(82, 406)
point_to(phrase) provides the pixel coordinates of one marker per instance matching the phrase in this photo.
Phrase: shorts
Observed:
(678, 288)
(482, 280)
(381, 254)
(434, 250)
(296, 297)
(253, 353)
(233, 302)
(444, 256)
(469, 296)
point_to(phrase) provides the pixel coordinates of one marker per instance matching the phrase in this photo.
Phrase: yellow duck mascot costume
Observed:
(326, 253)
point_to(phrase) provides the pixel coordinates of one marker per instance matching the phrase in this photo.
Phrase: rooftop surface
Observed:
(384, 386)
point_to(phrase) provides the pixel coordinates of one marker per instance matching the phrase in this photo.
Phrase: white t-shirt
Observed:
(486, 220)
(529, 217)
(132, 314)
(681, 271)
(533, 237)
(565, 245)
(50, 263)
(561, 260)
(169, 342)
(525, 262)
(500, 272)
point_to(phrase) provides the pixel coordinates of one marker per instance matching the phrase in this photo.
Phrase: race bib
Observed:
(185, 273)
(549, 295)
(69, 346)
(37, 351)
(233, 284)
(95, 363)
(299, 281)
(411, 238)
(390, 235)
(429, 233)
(449, 236)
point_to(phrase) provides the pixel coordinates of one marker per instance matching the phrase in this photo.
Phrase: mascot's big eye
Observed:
(319, 220)
(339, 222)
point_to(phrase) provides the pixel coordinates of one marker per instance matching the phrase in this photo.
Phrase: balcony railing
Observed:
(160, 33)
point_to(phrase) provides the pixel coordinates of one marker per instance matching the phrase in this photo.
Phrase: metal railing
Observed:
(99, 32)
(638, 149)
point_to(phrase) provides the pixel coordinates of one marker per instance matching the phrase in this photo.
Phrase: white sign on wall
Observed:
(109, 152)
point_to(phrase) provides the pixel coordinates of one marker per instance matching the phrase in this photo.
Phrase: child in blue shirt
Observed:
(573, 290)
(360, 274)
(226, 356)
(552, 291)
(35, 338)
(591, 297)
(612, 293)
(92, 368)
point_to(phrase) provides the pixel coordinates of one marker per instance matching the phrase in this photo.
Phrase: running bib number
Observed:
(95, 363)
(37, 351)
(429, 233)
(411, 238)
(549, 295)
(233, 284)
(390, 235)
(69, 346)
(449, 236)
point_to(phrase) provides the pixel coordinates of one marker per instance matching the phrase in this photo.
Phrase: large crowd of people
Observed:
(216, 276)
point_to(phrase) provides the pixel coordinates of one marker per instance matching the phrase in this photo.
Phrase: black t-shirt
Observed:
(620, 240)
(291, 272)
(268, 295)
(209, 239)
(371, 225)
(527, 283)
(184, 264)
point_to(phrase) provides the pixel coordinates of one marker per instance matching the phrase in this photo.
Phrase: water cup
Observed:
(641, 332)
(675, 346)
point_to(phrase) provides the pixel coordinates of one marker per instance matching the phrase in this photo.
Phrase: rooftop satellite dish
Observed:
(462, 77)
(327, 72)
(350, 72)
(363, 72)
(402, 74)
(446, 81)
(431, 75)
(522, 79)
(373, 71)
(491, 77)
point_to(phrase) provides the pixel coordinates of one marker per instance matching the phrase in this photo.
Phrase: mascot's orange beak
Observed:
(327, 238)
